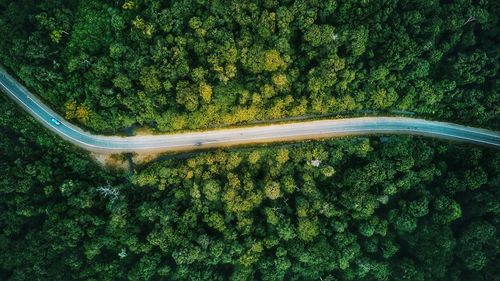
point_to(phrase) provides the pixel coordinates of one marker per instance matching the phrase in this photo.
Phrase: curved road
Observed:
(245, 135)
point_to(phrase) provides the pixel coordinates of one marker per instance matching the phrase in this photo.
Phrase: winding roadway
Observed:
(244, 135)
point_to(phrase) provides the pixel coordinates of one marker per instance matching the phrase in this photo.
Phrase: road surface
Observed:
(244, 135)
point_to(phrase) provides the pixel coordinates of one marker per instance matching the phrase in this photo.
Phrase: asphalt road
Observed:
(244, 135)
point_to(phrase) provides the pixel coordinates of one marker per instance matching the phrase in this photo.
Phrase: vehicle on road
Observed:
(55, 121)
(316, 129)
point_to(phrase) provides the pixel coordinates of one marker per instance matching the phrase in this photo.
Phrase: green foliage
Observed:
(199, 64)
(398, 209)
(272, 190)
(263, 214)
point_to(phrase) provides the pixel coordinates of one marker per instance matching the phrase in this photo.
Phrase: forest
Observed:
(191, 64)
(373, 208)
(379, 208)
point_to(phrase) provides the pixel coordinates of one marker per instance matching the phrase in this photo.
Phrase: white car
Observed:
(55, 121)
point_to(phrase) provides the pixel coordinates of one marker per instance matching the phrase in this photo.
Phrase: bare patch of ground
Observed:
(143, 158)
(112, 161)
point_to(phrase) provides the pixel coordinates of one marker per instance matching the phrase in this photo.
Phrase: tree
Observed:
(272, 60)
(186, 95)
(205, 92)
(307, 229)
(272, 190)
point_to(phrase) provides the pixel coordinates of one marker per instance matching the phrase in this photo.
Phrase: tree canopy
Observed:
(363, 208)
(196, 64)
(391, 208)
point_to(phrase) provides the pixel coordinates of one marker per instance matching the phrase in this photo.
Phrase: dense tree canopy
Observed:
(391, 208)
(192, 64)
(378, 208)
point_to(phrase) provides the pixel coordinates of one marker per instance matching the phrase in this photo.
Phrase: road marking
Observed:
(338, 127)
(43, 119)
